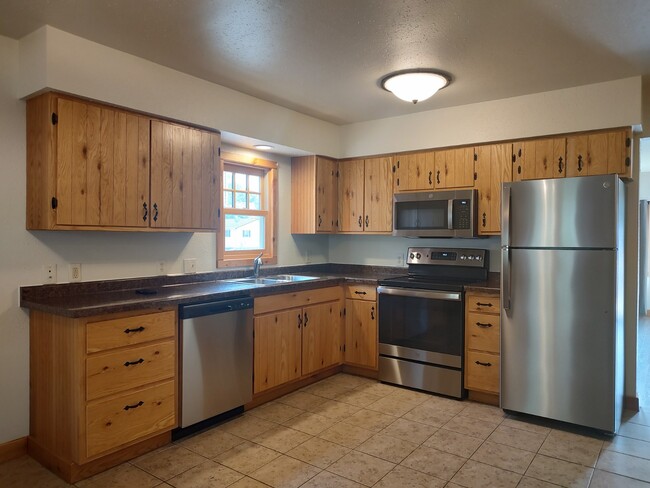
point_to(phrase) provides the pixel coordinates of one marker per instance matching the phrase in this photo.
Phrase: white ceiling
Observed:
(325, 57)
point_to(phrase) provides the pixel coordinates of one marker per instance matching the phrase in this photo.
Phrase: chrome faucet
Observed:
(257, 264)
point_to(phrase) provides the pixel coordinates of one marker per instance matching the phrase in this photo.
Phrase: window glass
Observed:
(254, 201)
(227, 179)
(254, 183)
(240, 181)
(240, 200)
(227, 199)
(244, 232)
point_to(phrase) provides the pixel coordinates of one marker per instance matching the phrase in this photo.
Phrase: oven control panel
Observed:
(447, 256)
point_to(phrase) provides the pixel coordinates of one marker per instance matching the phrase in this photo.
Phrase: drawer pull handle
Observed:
(133, 363)
(483, 364)
(480, 324)
(359, 292)
(137, 329)
(139, 404)
(306, 320)
(483, 304)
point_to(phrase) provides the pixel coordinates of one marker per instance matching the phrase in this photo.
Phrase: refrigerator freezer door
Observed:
(559, 337)
(565, 213)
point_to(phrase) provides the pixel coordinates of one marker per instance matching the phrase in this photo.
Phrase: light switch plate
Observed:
(189, 266)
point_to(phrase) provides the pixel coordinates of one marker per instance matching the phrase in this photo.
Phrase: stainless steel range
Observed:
(421, 319)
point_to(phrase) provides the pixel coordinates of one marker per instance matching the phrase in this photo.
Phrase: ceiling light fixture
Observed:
(263, 147)
(415, 85)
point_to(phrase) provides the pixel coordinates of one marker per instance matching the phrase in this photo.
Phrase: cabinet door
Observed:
(597, 154)
(184, 177)
(550, 158)
(454, 168)
(321, 336)
(361, 333)
(277, 350)
(419, 177)
(102, 166)
(378, 198)
(493, 167)
(619, 154)
(326, 208)
(351, 182)
(400, 173)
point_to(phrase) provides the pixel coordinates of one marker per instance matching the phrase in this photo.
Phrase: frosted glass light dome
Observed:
(414, 86)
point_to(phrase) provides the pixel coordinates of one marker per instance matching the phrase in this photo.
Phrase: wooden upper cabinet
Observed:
(314, 185)
(539, 159)
(89, 167)
(454, 168)
(493, 167)
(351, 186)
(185, 177)
(413, 171)
(600, 153)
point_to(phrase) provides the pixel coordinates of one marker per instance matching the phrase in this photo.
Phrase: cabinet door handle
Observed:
(299, 320)
(484, 219)
(133, 363)
(430, 174)
(579, 162)
(357, 292)
(137, 329)
(559, 165)
(139, 404)
(306, 320)
(155, 209)
(482, 364)
(485, 326)
(483, 304)
(367, 221)
(372, 313)
(320, 221)
(360, 221)
(146, 211)
(438, 176)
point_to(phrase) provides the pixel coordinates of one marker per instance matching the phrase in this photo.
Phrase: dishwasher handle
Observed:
(214, 308)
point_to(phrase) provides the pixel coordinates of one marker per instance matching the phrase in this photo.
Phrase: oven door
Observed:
(421, 325)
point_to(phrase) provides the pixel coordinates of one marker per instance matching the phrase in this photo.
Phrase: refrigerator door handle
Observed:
(505, 259)
(505, 217)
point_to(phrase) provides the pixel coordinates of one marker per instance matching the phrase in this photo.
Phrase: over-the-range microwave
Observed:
(435, 214)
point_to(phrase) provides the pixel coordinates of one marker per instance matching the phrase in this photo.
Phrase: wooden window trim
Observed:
(269, 192)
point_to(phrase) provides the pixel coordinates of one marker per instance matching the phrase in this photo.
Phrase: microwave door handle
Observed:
(450, 214)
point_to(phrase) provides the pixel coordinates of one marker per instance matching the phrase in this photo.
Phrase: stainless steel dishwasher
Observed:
(216, 359)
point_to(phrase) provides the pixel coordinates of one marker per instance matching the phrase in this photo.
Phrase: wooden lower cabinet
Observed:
(482, 345)
(361, 326)
(102, 389)
(296, 334)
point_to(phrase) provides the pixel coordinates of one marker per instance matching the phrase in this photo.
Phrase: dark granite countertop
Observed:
(100, 297)
(492, 284)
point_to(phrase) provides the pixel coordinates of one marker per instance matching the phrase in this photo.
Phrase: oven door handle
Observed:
(431, 294)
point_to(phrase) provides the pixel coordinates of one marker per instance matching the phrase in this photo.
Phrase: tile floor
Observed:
(347, 432)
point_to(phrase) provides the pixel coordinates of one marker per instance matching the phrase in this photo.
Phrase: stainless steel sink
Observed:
(254, 281)
(272, 280)
(290, 277)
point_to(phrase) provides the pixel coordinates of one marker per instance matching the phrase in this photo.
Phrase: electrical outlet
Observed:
(49, 273)
(161, 268)
(400, 259)
(75, 272)
(189, 265)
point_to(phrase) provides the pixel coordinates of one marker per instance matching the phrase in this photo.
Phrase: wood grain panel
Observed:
(78, 170)
(482, 332)
(351, 195)
(106, 169)
(93, 167)
(559, 157)
(207, 158)
(130, 330)
(284, 301)
(360, 292)
(378, 197)
(321, 336)
(303, 196)
(482, 371)
(186, 178)
(543, 158)
(361, 333)
(214, 192)
(326, 190)
(483, 303)
(576, 155)
(177, 176)
(198, 197)
(65, 154)
(120, 151)
(597, 154)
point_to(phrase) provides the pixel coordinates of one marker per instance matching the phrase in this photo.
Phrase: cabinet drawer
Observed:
(126, 418)
(273, 303)
(361, 292)
(482, 371)
(482, 332)
(129, 368)
(108, 334)
(483, 303)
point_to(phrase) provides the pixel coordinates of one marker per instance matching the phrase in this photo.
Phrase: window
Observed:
(248, 224)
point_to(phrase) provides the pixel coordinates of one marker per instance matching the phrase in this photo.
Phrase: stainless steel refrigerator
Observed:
(562, 299)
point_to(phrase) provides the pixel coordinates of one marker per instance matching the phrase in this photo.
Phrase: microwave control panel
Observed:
(462, 214)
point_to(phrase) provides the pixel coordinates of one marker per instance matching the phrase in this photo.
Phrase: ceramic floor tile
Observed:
(504, 457)
(533, 483)
(301, 399)
(275, 412)
(409, 431)
(387, 448)
(361, 468)
(349, 380)
(247, 482)
(285, 472)
(379, 389)
(603, 479)
(281, 439)
(430, 414)
(473, 427)
(122, 476)
(636, 431)
(25, 472)
(247, 427)
(392, 406)
(483, 412)
(445, 404)
(627, 445)
(625, 465)
(357, 398)
(326, 390)
(318, 452)
(404, 477)
(370, 420)
(206, 475)
(527, 426)
(310, 423)
(334, 410)
(413, 396)
(434, 462)
(325, 479)
(247, 457)
(346, 435)
(641, 417)
(168, 462)
(211, 443)
(572, 447)
(453, 443)
(478, 475)
(521, 439)
(560, 472)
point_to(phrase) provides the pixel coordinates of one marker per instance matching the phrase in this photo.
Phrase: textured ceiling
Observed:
(325, 57)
